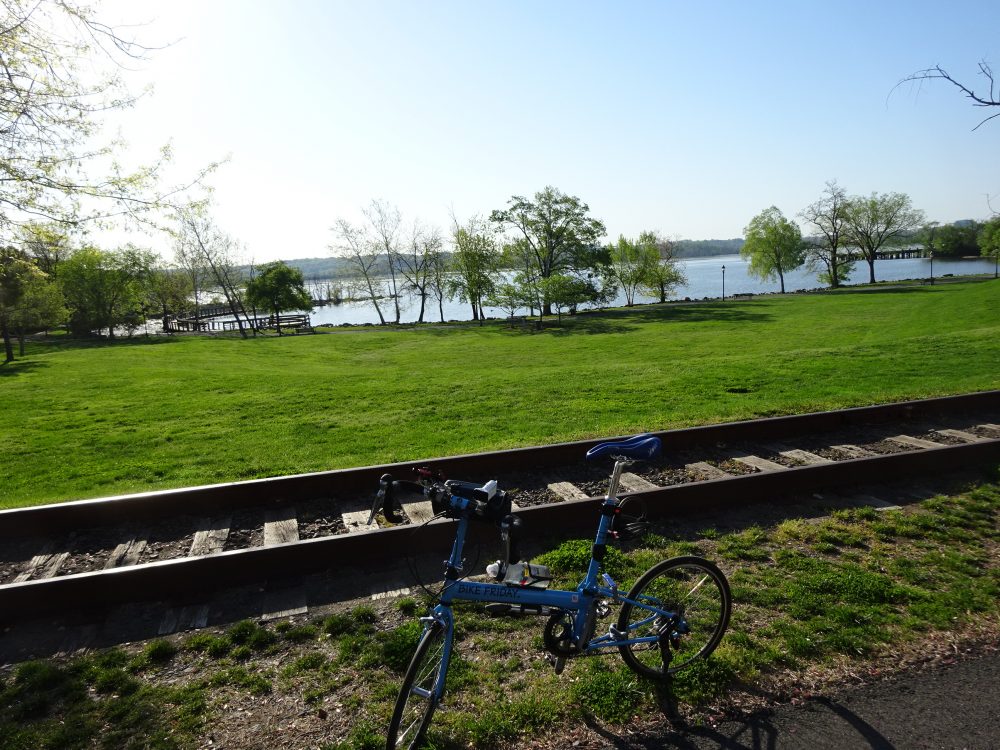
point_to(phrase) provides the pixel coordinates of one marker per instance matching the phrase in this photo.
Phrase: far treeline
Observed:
(542, 254)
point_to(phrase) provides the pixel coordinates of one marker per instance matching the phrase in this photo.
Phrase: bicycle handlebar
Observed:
(449, 497)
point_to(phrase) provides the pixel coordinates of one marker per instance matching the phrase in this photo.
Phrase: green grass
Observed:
(877, 589)
(85, 420)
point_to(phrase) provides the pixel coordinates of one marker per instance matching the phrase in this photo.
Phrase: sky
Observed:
(688, 118)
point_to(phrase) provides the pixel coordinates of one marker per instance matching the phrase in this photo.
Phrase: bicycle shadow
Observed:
(819, 723)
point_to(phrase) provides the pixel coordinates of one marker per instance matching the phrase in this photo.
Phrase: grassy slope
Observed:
(84, 421)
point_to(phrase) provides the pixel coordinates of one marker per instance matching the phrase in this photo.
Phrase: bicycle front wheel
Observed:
(693, 603)
(417, 701)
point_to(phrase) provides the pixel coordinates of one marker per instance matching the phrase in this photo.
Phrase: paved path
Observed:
(955, 706)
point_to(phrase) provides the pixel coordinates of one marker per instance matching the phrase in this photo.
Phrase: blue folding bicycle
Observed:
(674, 614)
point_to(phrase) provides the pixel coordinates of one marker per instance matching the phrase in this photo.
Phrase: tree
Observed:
(385, 220)
(828, 216)
(630, 261)
(356, 247)
(508, 296)
(557, 230)
(773, 246)
(565, 292)
(278, 287)
(474, 262)
(989, 242)
(877, 221)
(41, 307)
(170, 290)
(16, 273)
(992, 99)
(957, 240)
(201, 244)
(61, 70)
(415, 265)
(661, 277)
(105, 289)
(47, 244)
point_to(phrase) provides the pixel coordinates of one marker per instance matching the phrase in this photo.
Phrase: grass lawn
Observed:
(92, 419)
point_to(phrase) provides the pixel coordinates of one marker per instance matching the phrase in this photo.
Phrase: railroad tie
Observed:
(128, 552)
(566, 491)
(854, 451)
(756, 462)
(706, 470)
(43, 565)
(989, 426)
(420, 511)
(210, 537)
(967, 437)
(280, 526)
(634, 483)
(810, 459)
(912, 442)
(356, 520)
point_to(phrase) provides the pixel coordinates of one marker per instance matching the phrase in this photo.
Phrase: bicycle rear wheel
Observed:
(416, 701)
(697, 594)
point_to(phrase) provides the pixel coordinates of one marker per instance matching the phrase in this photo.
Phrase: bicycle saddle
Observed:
(639, 447)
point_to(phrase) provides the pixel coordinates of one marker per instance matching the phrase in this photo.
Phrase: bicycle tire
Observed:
(416, 702)
(691, 583)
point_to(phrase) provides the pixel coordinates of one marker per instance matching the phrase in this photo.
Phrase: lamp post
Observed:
(723, 282)
(932, 268)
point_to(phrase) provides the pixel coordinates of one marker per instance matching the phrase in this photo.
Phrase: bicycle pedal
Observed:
(557, 662)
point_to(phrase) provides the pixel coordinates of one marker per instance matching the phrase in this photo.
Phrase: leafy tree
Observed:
(630, 261)
(277, 287)
(16, 273)
(61, 71)
(565, 291)
(558, 232)
(773, 246)
(474, 263)
(41, 307)
(957, 240)
(105, 289)
(170, 290)
(661, 277)
(47, 244)
(989, 242)
(878, 220)
(825, 251)
(508, 296)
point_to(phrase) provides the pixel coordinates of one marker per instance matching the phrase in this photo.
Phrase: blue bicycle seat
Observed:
(641, 447)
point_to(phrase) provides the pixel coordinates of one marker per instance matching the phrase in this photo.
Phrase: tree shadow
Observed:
(18, 367)
(821, 719)
(67, 343)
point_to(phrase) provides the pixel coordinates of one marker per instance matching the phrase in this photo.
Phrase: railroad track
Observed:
(186, 545)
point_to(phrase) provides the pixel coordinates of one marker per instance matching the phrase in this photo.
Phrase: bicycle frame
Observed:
(579, 602)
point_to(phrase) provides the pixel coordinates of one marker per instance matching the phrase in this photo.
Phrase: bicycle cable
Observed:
(411, 566)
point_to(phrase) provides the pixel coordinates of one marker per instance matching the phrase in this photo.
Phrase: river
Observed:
(705, 279)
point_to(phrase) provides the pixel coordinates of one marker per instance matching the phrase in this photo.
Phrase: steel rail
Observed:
(47, 520)
(173, 579)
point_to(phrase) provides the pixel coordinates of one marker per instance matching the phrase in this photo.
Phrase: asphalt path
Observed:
(947, 706)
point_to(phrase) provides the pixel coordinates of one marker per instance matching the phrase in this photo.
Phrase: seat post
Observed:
(620, 464)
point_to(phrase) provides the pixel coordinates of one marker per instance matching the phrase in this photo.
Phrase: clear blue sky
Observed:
(687, 118)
